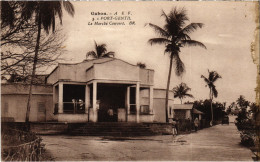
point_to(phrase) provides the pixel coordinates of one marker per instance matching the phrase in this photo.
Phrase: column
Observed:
(60, 110)
(128, 100)
(137, 94)
(94, 101)
(151, 100)
(87, 98)
(54, 97)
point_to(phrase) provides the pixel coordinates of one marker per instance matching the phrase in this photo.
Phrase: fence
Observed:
(18, 145)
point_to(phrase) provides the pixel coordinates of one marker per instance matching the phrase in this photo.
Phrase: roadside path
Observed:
(217, 143)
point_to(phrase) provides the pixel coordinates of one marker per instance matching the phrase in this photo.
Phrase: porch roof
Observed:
(110, 69)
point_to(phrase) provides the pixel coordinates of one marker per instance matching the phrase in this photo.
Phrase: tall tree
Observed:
(181, 91)
(17, 49)
(210, 80)
(100, 51)
(44, 13)
(242, 102)
(175, 35)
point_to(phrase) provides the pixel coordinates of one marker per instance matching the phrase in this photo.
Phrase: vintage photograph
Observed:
(130, 81)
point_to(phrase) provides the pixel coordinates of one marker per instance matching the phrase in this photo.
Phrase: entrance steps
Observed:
(110, 129)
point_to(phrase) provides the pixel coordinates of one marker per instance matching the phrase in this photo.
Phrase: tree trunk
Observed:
(181, 101)
(35, 59)
(211, 97)
(167, 89)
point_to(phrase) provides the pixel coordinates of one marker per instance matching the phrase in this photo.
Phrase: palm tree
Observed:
(242, 102)
(175, 35)
(212, 78)
(181, 91)
(100, 51)
(44, 12)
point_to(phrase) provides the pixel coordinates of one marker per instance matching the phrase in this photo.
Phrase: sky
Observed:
(227, 33)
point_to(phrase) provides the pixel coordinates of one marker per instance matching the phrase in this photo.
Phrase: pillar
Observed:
(54, 97)
(137, 100)
(151, 100)
(87, 98)
(60, 110)
(128, 100)
(95, 113)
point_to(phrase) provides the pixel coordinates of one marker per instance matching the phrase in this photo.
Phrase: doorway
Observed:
(111, 97)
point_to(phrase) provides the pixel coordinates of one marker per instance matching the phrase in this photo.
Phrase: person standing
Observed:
(174, 127)
(196, 124)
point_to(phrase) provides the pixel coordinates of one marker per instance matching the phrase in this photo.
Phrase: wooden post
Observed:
(60, 110)
(151, 100)
(87, 98)
(95, 115)
(137, 100)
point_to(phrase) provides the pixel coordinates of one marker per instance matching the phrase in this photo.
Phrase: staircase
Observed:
(110, 129)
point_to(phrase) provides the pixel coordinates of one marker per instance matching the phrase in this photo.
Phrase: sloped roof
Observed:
(182, 106)
(195, 111)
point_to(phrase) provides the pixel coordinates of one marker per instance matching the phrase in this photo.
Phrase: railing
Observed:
(144, 109)
(71, 108)
(132, 109)
(20, 146)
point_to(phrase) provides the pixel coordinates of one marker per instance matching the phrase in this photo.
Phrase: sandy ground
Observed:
(217, 143)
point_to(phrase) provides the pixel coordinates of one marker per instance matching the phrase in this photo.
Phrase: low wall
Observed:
(50, 128)
(146, 118)
(54, 128)
(160, 128)
(72, 118)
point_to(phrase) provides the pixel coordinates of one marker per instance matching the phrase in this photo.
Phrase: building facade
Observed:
(98, 90)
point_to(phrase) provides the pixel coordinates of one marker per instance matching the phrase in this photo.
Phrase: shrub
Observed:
(20, 146)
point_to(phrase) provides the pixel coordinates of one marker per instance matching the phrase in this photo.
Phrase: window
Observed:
(170, 110)
(144, 109)
(41, 107)
(132, 100)
(5, 109)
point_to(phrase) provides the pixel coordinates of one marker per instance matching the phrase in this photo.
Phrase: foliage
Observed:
(181, 91)
(141, 65)
(100, 51)
(18, 45)
(184, 125)
(204, 106)
(174, 35)
(246, 124)
(210, 80)
(20, 146)
(242, 102)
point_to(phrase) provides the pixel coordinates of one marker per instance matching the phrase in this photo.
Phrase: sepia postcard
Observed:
(130, 81)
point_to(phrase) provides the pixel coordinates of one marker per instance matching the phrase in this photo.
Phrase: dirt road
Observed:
(217, 143)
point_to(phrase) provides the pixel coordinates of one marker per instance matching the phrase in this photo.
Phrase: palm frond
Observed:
(189, 95)
(158, 41)
(69, 7)
(28, 8)
(181, 91)
(7, 13)
(205, 79)
(109, 54)
(179, 65)
(192, 43)
(159, 30)
(191, 28)
(91, 53)
(214, 91)
(166, 17)
(216, 77)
